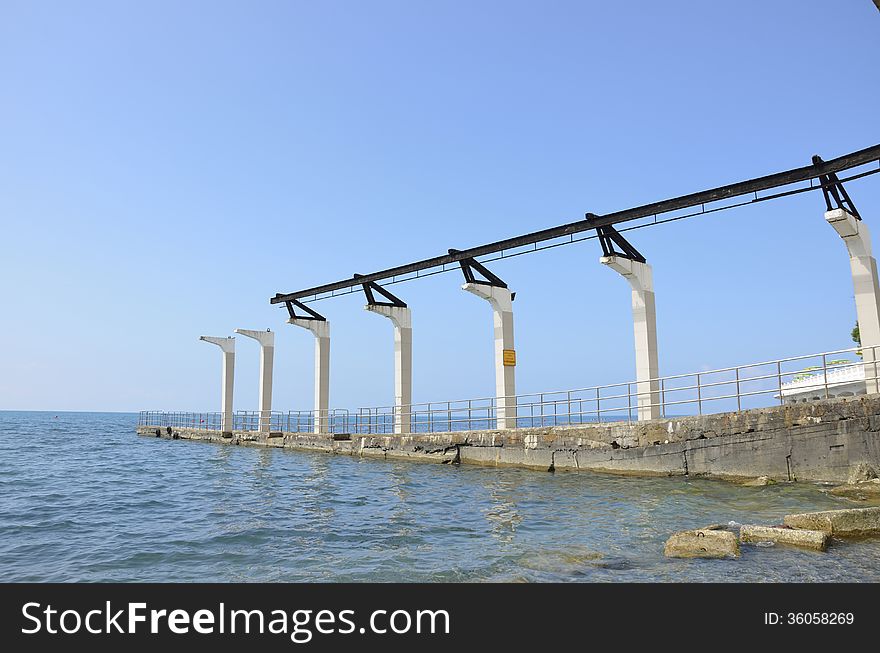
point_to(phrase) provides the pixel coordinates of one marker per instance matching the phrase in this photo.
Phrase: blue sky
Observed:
(166, 167)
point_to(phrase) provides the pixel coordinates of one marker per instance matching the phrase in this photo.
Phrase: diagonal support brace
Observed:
(311, 314)
(833, 189)
(470, 265)
(609, 237)
(371, 287)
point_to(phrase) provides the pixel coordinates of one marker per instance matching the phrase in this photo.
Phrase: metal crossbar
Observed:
(751, 187)
(823, 375)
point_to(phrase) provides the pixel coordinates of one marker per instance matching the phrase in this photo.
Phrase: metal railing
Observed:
(756, 385)
(200, 421)
(294, 421)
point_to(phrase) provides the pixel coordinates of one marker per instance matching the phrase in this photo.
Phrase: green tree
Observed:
(856, 336)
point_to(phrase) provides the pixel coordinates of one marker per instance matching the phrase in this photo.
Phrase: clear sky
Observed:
(166, 167)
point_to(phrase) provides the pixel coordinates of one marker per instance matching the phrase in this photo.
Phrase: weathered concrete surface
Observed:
(817, 540)
(862, 472)
(702, 543)
(818, 441)
(852, 522)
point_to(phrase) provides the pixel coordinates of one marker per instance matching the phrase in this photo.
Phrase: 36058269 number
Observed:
(820, 618)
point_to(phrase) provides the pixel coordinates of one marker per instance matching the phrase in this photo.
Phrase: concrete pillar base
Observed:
(641, 280)
(401, 318)
(321, 330)
(227, 346)
(863, 265)
(501, 300)
(267, 361)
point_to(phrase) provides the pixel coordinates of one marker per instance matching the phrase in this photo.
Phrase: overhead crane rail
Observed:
(821, 175)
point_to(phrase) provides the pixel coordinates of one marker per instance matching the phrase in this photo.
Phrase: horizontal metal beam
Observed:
(767, 182)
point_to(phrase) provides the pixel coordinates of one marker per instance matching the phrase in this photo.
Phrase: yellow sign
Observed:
(509, 358)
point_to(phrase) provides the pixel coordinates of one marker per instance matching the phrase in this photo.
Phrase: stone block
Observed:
(851, 522)
(702, 543)
(817, 540)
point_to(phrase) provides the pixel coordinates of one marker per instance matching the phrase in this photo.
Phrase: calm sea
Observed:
(82, 498)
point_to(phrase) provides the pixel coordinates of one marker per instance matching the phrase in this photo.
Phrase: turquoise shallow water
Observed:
(82, 498)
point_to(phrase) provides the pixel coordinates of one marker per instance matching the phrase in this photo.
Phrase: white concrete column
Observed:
(863, 265)
(401, 317)
(501, 300)
(227, 382)
(321, 330)
(641, 281)
(267, 358)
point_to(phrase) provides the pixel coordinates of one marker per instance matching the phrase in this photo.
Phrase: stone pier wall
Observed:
(816, 441)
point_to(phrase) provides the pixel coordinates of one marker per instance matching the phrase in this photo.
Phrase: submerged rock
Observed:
(864, 491)
(851, 522)
(817, 540)
(761, 481)
(566, 561)
(702, 543)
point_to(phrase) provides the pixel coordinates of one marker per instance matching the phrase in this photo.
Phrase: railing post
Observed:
(569, 406)
(663, 397)
(699, 396)
(738, 398)
(825, 374)
(628, 403)
(541, 404)
(779, 381)
(873, 362)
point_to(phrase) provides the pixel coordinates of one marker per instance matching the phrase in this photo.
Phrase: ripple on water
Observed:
(84, 499)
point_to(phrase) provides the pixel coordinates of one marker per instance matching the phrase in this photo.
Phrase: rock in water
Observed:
(864, 491)
(702, 543)
(852, 522)
(761, 481)
(817, 540)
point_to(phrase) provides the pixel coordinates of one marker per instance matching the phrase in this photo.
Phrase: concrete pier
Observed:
(857, 238)
(825, 440)
(641, 281)
(267, 358)
(401, 318)
(320, 328)
(227, 379)
(501, 300)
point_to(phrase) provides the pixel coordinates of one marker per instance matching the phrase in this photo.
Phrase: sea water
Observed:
(82, 498)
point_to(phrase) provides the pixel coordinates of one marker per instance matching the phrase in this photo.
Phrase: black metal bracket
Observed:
(833, 189)
(469, 265)
(609, 237)
(311, 314)
(371, 286)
